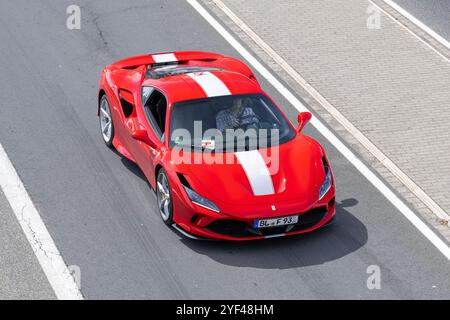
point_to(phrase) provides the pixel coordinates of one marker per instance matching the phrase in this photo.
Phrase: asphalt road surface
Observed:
(434, 13)
(101, 212)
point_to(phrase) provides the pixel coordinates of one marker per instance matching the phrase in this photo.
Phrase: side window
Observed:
(155, 107)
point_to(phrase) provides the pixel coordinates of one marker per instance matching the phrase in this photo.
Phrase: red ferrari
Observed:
(223, 159)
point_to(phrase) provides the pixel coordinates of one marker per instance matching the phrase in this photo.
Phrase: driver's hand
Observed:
(235, 123)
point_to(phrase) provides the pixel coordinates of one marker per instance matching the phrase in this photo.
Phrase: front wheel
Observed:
(164, 197)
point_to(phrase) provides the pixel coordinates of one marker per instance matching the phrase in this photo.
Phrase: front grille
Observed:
(239, 229)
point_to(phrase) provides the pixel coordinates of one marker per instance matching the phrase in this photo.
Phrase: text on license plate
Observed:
(266, 223)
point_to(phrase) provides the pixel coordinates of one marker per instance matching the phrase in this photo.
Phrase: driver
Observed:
(240, 114)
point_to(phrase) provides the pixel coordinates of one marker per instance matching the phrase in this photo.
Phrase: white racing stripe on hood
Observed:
(257, 172)
(210, 83)
(164, 57)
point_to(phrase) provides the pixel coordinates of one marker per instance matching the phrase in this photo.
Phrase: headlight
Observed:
(199, 200)
(327, 182)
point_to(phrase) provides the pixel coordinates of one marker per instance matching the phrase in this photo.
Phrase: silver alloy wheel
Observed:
(105, 120)
(163, 196)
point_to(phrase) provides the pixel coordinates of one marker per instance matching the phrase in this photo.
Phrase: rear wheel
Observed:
(164, 197)
(106, 123)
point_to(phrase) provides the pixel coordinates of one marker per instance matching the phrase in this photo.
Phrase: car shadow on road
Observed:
(346, 235)
(133, 167)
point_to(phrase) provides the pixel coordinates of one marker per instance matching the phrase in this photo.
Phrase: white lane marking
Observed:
(358, 135)
(36, 233)
(339, 145)
(257, 172)
(164, 57)
(418, 23)
(210, 83)
(410, 31)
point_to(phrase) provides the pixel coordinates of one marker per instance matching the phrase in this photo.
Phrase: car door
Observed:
(153, 116)
(141, 151)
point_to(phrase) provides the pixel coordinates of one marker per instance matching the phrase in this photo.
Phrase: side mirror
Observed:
(142, 135)
(303, 119)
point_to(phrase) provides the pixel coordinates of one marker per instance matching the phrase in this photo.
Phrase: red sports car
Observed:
(224, 161)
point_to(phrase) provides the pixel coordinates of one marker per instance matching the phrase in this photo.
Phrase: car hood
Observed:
(294, 170)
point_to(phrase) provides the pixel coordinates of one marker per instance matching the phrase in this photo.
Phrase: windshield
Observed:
(228, 123)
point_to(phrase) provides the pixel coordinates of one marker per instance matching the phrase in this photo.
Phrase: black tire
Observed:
(162, 191)
(105, 103)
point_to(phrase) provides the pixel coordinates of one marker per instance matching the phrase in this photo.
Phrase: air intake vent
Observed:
(159, 72)
(183, 180)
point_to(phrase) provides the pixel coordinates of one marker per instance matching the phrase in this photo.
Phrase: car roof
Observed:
(195, 84)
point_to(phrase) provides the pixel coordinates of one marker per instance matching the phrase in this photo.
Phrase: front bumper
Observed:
(239, 230)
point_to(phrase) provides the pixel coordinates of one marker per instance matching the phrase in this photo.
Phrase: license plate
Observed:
(276, 222)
